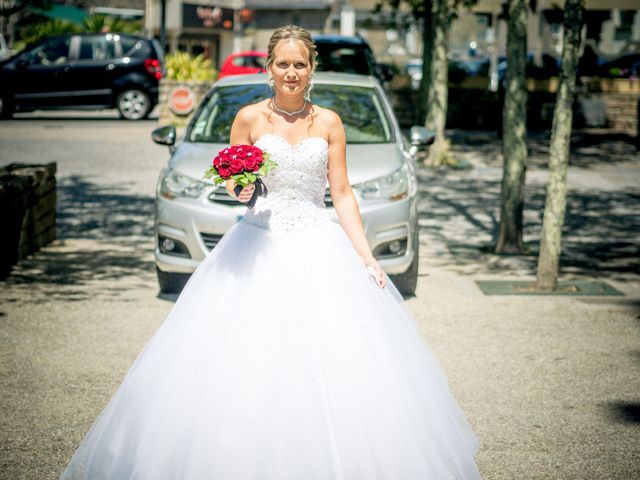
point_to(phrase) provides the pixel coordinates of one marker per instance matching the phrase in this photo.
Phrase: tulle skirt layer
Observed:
(282, 360)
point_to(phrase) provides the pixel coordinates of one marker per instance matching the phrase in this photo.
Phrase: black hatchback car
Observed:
(102, 70)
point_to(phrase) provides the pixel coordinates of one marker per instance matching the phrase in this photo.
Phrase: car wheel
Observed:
(133, 104)
(6, 109)
(171, 282)
(407, 282)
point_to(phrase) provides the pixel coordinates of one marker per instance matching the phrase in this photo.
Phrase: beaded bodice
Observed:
(296, 187)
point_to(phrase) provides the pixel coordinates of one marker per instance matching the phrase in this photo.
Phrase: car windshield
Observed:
(360, 108)
(344, 59)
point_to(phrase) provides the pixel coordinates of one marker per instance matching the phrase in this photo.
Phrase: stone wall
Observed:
(166, 115)
(27, 211)
(612, 103)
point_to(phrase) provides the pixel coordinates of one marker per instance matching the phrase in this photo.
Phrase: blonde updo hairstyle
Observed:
(292, 32)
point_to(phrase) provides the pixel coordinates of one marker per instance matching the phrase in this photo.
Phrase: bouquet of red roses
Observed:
(244, 164)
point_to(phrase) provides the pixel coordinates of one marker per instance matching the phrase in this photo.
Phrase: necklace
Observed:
(291, 114)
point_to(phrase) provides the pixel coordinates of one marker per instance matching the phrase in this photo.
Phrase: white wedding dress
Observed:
(282, 360)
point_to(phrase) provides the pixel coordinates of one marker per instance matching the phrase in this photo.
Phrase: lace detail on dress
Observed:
(296, 187)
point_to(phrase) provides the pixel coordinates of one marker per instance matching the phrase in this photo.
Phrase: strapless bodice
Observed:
(296, 187)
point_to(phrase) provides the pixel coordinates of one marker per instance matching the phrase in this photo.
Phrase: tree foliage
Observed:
(11, 7)
(37, 31)
(105, 23)
(97, 23)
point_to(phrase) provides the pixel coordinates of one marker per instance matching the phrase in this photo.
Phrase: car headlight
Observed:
(174, 184)
(390, 187)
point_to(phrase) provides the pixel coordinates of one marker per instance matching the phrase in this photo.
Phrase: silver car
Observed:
(192, 214)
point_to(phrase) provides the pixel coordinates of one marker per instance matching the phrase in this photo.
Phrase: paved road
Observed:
(551, 385)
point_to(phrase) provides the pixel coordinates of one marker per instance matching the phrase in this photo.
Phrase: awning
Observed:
(63, 12)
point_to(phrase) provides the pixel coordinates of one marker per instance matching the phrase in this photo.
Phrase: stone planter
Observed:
(27, 211)
(179, 100)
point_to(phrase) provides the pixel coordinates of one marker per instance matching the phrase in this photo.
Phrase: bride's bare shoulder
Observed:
(328, 120)
(253, 112)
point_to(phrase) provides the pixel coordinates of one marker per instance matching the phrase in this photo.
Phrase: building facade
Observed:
(219, 27)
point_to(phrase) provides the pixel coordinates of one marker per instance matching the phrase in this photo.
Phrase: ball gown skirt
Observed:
(283, 360)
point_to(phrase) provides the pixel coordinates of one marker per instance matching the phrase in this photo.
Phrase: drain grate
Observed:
(527, 287)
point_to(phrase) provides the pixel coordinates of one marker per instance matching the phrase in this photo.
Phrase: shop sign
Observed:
(206, 16)
(182, 100)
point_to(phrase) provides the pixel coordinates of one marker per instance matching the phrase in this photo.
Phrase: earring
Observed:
(271, 81)
(308, 88)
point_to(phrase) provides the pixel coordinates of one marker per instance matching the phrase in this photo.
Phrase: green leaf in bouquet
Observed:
(218, 180)
(241, 179)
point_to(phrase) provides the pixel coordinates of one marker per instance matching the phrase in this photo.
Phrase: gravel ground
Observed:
(551, 384)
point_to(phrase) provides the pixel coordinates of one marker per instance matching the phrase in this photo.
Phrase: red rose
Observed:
(241, 152)
(237, 166)
(224, 172)
(252, 164)
(256, 152)
(225, 160)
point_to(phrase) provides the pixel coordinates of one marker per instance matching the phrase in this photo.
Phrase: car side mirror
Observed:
(421, 137)
(165, 136)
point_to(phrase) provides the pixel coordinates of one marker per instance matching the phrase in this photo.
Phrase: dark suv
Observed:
(344, 54)
(102, 70)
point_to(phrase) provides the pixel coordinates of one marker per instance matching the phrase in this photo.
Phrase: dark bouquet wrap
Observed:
(244, 164)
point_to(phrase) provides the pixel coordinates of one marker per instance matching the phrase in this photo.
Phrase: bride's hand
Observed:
(245, 193)
(376, 270)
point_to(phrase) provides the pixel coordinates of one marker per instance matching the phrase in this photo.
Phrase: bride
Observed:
(288, 354)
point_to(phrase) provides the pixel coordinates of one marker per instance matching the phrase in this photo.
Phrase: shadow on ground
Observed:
(589, 147)
(625, 412)
(104, 236)
(459, 219)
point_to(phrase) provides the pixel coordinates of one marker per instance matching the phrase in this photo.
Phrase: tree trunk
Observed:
(427, 50)
(438, 88)
(554, 209)
(514, 143)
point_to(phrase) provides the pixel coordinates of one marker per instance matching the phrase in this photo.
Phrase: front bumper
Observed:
(198, 224)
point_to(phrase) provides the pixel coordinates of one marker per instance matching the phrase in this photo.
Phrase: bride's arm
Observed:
(343, 198)
(240, 135)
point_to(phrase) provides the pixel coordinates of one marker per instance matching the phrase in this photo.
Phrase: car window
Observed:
(333, 58)
(363, 115)
(131, 47)
(361, 110)
(51, 52)
(97, 48)
(250, 61)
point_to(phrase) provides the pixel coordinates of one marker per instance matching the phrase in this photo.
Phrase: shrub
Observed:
(182, 66)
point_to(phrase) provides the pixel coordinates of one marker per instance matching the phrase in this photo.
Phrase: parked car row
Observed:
(122, 71)
(589, 65)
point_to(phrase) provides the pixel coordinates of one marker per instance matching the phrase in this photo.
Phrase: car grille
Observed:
(220, 195)
(210, 240)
